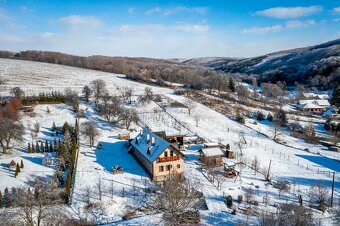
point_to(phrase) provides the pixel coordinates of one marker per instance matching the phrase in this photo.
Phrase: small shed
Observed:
(211, 156)
(12, 164)
(125, 136)
(229, 154)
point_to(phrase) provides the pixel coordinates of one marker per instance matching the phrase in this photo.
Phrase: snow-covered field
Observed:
(126, 191)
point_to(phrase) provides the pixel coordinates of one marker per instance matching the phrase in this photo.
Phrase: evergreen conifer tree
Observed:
(335, 100)
(51, 147)
(54, 128)
(46, 146)
(33, 151)
(68, 186)
(21, 164)
(74, 152)
(7, 198)
(231, 85)
(42, 148)
(17, 170)
(0, 200)
(29, 150)
(37, 149)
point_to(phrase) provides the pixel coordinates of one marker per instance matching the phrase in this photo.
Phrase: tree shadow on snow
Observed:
(116, 154)
(323, 161)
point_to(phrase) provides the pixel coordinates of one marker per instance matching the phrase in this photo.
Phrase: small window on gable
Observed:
(171, 153)
(165, 154)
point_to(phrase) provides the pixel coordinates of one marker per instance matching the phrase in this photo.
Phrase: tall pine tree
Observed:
(22, 164)
(0, 200)
(37, 149)
(33, 151)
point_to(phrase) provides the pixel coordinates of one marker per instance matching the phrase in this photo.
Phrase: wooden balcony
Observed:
(168, 159)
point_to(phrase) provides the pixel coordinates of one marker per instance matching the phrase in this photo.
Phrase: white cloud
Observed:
(336, 10)
(75, 21)
(131, 10)
(263, 30)
(279, 27)
(179, 9)
(299, 24)
(192, 28)
(289, 12)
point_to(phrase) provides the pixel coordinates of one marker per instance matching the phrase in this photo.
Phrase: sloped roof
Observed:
(142, 145)
(211, 152)
(317, 102)
(311, 105)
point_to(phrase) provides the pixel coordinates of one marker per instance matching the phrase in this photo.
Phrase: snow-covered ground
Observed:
(33, 166)
(126, 191)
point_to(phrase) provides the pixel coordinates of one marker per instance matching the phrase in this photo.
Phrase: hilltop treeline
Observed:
(135, 68)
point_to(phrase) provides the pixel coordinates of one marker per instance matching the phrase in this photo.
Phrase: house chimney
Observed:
(148, 151)
(152, 140)
(147, 138)
(141, 132)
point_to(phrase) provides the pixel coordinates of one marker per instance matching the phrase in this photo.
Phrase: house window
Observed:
(165, 154)
(171, 153)
(161, 168)
(178, 166)
(168, 167)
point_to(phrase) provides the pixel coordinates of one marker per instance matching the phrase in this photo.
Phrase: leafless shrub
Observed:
(282, 186)
(319, 193)
(249, 194)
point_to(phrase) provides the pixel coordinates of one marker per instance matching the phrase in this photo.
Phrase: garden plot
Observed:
(44, 115)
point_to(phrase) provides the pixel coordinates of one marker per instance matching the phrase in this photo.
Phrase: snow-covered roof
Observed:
(311, 105)
(210, 152)
(151, 151)
(323, 103)
(211, 144)
(315, 95)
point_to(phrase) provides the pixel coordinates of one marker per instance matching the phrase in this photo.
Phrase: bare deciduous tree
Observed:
(319, 194)
(17, 92)
(128, 116)
(10, 131)
(99, 186)
(191, 105)
(99, 88)
(282, 186)
(174, 198)
(249, 194)
(90, 130)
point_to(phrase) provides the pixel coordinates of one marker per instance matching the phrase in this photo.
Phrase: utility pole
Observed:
(332, 190)
(267, 177)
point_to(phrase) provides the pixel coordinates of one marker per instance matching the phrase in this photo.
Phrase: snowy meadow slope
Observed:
(289, 162)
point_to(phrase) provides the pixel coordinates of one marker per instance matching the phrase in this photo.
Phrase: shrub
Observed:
(240, 118)
(260, 116)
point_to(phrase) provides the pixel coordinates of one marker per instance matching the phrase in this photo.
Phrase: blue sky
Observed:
(167, 29)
